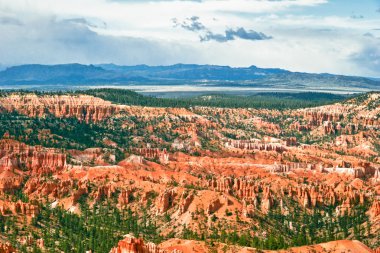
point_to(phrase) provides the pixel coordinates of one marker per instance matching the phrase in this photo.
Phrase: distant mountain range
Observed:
(110, 74)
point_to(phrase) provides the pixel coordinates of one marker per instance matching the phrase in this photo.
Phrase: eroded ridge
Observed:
(197, 179)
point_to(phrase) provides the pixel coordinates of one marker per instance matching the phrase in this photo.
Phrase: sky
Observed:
(318, 36)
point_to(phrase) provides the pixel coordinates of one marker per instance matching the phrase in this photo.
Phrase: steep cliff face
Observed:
(15, 155)
(130, 244)
(185, 202)
(18, 160)
(267, 201)
(188, 246)
(375, 209)
(84, 108)
(38, 187)
(165, 200)
(18, 208)
(6, 248)
(257, 196)
(10, 181)
(152, 153)
(256, 145)
(123, 199)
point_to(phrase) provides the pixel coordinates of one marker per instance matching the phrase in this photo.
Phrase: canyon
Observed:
(205, 179)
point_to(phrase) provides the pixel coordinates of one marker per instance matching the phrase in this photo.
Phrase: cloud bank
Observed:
(193, 24)
(298, 35)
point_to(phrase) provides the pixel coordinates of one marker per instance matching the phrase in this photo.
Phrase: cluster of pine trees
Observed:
(98, 228)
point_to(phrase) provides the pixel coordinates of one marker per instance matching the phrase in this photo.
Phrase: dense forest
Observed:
(98, 228)
(102, 225)
(266, 100)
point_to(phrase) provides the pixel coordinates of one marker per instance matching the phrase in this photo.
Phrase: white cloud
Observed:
(147, 18)
(134, 32)
(64, 41)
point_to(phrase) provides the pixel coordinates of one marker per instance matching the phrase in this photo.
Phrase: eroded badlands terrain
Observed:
(81, 174)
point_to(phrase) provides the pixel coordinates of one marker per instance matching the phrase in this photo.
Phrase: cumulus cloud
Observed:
(191, 24)
(232, 34)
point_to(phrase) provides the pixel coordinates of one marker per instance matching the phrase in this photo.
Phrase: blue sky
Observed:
(326, 36)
